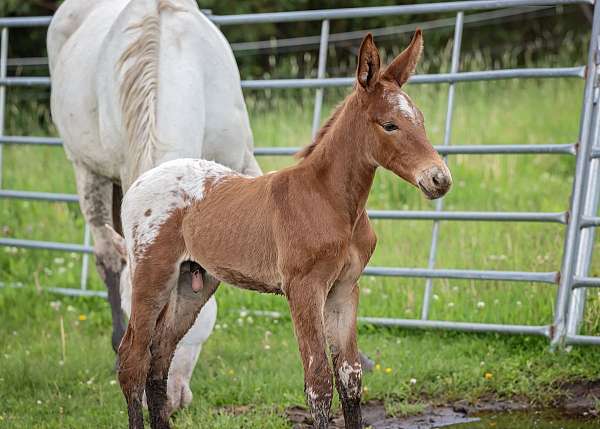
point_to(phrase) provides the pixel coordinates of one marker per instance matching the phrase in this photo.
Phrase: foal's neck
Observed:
(339, 161)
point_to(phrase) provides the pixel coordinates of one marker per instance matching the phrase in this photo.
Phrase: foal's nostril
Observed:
(438, 179)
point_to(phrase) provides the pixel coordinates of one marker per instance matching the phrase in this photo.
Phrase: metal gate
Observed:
(580, 218)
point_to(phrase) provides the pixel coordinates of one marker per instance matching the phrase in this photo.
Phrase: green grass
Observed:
(446, 366)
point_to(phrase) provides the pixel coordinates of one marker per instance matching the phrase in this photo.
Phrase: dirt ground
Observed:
(579, 400)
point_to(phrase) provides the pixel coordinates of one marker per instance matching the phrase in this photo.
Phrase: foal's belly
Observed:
(245, 281)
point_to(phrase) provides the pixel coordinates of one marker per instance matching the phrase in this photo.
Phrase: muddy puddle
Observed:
(529, 420)
(505, 416)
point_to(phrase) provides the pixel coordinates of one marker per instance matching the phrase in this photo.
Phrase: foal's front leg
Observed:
(340, 324)
(306, 303)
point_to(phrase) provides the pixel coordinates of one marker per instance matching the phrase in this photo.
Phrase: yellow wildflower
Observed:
(488, 375)
(82, 317)
(377, 367)
(388, 370)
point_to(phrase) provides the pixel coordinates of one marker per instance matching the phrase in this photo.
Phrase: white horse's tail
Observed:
(139, 93)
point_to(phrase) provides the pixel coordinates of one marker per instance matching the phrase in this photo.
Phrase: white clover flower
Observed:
(436, 297)
(413, 381)
(59, 261)
(480, 304)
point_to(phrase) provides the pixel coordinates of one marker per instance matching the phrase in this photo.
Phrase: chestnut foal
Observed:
(302, 232)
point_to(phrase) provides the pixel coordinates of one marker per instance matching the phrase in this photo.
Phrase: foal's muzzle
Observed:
(435, 181)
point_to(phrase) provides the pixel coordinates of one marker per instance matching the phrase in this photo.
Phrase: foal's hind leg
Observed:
(95, 199)
(172, 326)
(153, 283)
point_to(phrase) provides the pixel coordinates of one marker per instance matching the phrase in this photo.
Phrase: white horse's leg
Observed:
(95, 199)
(186, 356)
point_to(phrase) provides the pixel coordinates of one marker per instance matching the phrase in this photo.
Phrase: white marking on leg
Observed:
(345, 372)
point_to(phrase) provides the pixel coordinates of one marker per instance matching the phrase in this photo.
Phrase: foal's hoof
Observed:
(366, 363)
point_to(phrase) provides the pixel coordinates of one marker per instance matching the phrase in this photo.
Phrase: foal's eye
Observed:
(389, 126)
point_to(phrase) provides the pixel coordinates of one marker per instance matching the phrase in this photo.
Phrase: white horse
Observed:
(136, 83)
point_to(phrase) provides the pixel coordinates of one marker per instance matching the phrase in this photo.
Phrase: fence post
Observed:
(323, 47)
(591, 197)
(439, 204)
(85, 260)
(573, 262)
(3, 73)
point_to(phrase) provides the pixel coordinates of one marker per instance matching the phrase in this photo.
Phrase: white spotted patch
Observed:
(158, 192)
(312, 395)
(345, 372)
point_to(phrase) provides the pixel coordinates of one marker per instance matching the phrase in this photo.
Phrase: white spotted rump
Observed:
(158, 192)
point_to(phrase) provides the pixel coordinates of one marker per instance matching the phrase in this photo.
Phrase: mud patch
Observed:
(375, 416)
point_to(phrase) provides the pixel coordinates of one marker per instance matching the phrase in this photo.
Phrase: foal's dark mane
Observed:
(307, 150)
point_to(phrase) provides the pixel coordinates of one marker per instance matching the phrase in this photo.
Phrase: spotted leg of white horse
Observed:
(186, 356)
(95, 198)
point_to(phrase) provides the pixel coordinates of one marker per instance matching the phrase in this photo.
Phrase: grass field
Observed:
(254, 362)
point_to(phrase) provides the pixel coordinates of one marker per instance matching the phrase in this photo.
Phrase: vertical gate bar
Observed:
(583, 257)
(85, 262)
(458, 29)
(3, 73)
(323, 47)
(573, 233)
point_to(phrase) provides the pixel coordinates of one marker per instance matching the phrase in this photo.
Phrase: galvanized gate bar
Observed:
(457, 326)
(562, 148)
(588, 134)
(507, 149)
(439, 204)
(585, 282)
(29, 140)
(39, 196)
(444, 273)
(45, 245)
(560, 217)
(589, 221)
(475, 76)
(556, 217)
(582, 340)
(3, 70)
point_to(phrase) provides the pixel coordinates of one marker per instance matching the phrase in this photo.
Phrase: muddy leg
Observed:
(183, 309)
(152, 286)
(340, 323)
(95, 199)
(306, 307)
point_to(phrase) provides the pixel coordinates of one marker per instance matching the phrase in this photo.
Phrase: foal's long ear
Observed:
(367, 72)
(404, 65)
